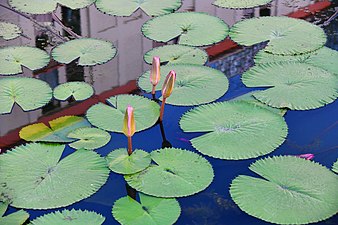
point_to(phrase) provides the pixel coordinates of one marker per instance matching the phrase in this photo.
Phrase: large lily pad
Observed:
(28, 93)
(150, 211)
(335, 166)
(89, 138)
(177, 54)
(194, 84)
(191, 28)
(127, 7)
(57, 132)
(50, 182)
(120, 162)
(235, 130)
(17, 218)
(284, 195)
(110, 117)
(177, 173)
(78, 90)
(296, 86)
(240, 4)
(286, 36)
(9, 31)
(88, 51)
(13, 58)
(46, 6)
(72, 217)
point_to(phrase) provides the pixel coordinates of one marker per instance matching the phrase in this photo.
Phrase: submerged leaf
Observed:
(79, 90)
(240, 4)
(89, 138)
(9, 31)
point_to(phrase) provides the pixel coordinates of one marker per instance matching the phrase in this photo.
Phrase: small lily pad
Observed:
(177, 173)
(79, 90)
(17, 218)
(9, 31)
(191, 28)
(88, 51)
(120, 162)
(89, 138)
(240, 4)
(177, 54)
(335, 167)
(150, 211)
(13, 58)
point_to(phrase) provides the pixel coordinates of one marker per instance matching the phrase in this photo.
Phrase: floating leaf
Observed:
(194, 84)
(177, 54)
(240, 4)
(150, 211)
(120, 162)
(13, 58)
(325, 58)
(291, 191)
(46, 6)
(72, 217)
(34, 177)
(286, 36)
(192, 28)
(127, 7)
(335, 167)
(177, 173)
(17, 218)
(9, 31)
(57, 132)
(79, 90)
(235, 130)
(89, 138)
(297, 86)
(146, 113)
(88, 51)
(23, 91)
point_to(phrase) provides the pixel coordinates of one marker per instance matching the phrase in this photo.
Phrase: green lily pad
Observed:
(13, 58)
(28, 93)
(325, 58)
(177, 173)
(177, 54)
(192, 28)
(194, 84)
(79, 90)
(150, 211)
(89, 138)
(286, 36)
(17, 218)
(296, 86)
(335, 167)
(72, 217)
(110, 117)
(235, 130)
(291, 191)
(120, 162)
(57, 132)
(47, 6)
(9, 31)
(88, 51)
(240, 4)
(50, 182)
(127, 7)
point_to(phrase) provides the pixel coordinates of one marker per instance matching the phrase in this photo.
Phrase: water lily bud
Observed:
(168, 84)
(155, 73)
(129, 122)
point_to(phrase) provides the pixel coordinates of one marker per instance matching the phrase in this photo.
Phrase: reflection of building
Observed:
(125, 33)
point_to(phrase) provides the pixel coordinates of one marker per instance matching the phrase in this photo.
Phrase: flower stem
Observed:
(162, 109)
(130, 146)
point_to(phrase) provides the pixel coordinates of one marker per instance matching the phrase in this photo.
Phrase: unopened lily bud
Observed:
(168, 84)
(155, 73)
(129, 122)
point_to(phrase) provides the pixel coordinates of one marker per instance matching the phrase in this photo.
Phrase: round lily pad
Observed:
(177, 54)
(13, 58)
(284, 195)
(9, 31)
(177, 173)
(57, 132)
(150, 211)
(296, 86)
(28, 93)
(191, 28)
(89, 138)
(79, 90)
(335, 167)
(88, 51)
(46, 6)
(127, 7)
(110, 117)
(16, 218)
(194, 84)
(235, 130)
(50, 182)
(69, 217)
(120, 162)
(240, 4)
(286, 36)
